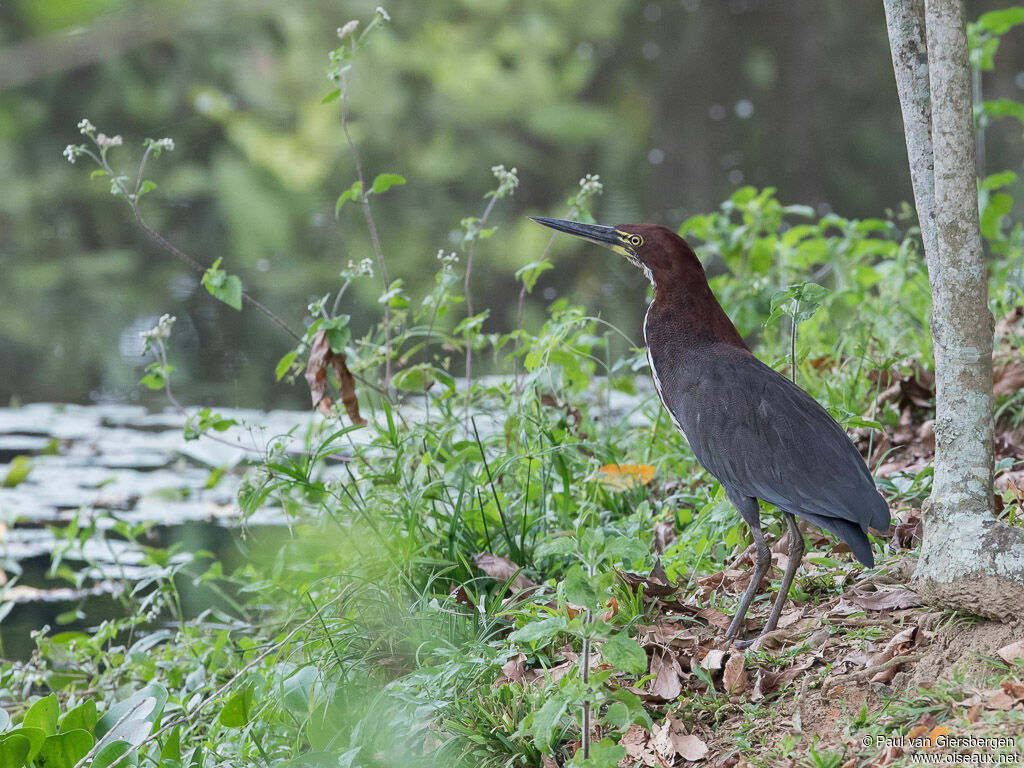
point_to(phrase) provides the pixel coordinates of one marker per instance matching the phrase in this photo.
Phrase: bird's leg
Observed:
(795, 554)
(748, 509)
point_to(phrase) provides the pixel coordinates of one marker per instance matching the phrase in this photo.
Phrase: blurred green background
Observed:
(674, 103)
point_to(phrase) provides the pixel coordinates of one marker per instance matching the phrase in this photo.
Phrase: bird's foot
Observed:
(742, 644)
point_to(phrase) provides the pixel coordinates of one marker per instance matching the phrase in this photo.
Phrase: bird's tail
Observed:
(880, 515)
(849, 532)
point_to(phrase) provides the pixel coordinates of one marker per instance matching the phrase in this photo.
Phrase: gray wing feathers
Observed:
(763, 436)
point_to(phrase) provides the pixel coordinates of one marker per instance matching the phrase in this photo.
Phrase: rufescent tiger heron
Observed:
(756, 431)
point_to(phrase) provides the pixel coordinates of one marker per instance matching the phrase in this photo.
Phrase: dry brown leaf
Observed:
(459, 594)
(999, 700)
(767, 682)
(513, 669)
(1007, 374)
(734, 678)
(667, 685)
(664, 536)
(320, 357)
(1013, 688)
(502, 569)
(667, 633)
(902, 640)
(887, 599)
(909, 529)
(655, 584)
(715, 617)
(1012, 651)
(691, 747)
(634, 741)
(713, 661)
(671, 739)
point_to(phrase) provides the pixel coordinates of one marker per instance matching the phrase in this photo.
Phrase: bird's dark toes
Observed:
(741, 644)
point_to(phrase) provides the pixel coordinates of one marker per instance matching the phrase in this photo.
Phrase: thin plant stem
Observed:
(792, 342)
(522, 303)
(132, 198)
(585, 660)
(469, 303)
(371, 226)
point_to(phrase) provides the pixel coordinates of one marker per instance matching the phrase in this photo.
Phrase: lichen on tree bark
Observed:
(969, 561)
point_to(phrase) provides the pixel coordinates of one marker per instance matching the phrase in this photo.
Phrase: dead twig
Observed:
(871, 671)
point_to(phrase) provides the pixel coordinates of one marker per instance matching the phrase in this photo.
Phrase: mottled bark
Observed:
(969, 561)
(905, 20)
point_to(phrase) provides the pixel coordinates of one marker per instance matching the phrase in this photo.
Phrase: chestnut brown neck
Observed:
(685, 313)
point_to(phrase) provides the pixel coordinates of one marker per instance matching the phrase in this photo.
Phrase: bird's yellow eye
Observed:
(636, 241)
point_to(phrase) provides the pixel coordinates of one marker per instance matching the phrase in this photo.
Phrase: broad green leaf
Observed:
(386, 181)
(338, 333)
(230, 293)
(418, 378)
(998, 180)
(626, 548)
(617, 715)
(298, 691)
(536, 631)
(222, 286)
(171, 748)
(1000, 22)
(605, 754)
(82, 717)
(35, 737)
(999, 108)
(205, 420)
(624, 653)
(112, 751)
(545, 720)
(578, 588)
(324, 726)
(65, 749)
(332, 96)
(146, 704)
(14, 749)
(354, 192)
(999, 205)
(238, 710)
(284, 365)
(530, 273)
(563, 545)
(43, 715)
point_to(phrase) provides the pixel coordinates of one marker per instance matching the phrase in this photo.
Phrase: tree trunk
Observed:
(969, 561)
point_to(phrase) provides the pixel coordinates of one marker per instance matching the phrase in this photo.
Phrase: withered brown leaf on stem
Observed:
(321, 356)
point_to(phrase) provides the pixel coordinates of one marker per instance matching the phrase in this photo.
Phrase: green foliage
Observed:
(204, 420)
(364, 633)
(18, 470)
(222, 286)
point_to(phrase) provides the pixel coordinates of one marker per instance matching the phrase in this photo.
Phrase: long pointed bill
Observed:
(595, 233)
